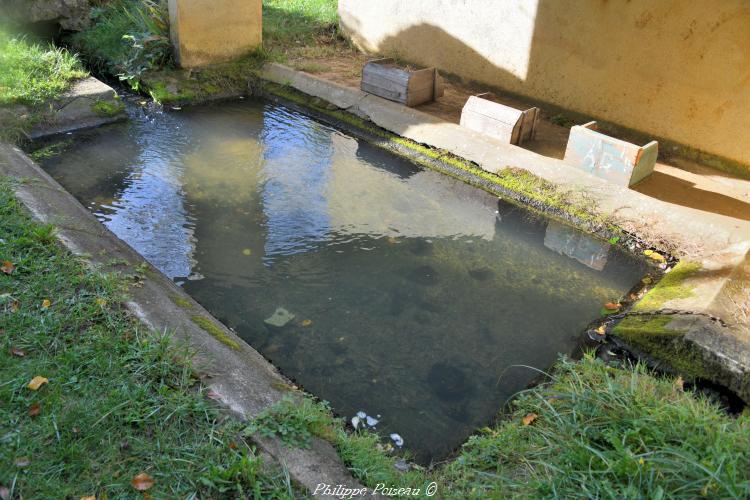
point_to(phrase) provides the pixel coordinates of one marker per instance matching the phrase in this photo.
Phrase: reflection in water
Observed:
(586, 249)
(414, 297)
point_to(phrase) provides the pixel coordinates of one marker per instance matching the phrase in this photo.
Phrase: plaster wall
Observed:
(671, 69)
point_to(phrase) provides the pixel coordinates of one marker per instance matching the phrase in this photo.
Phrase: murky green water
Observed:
(414, 297)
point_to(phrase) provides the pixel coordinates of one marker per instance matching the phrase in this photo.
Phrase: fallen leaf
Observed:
(211, 394)
(679, 383)
(101, 302)
(657, 257)
(306, 322)
(602, 329)
(142, 482)
(612, 306)
(647, 280)
(15, 351)
(37, 382)
(529, 419)
(647, 253)
(232, 445)
(7, 267)
(247, 252)
(90, 497)
(35, 410)
(23, 462)
(15, 306)
(46, 303)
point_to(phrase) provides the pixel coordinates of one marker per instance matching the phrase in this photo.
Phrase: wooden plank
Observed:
(528, 124)
(388, 72)
(480, 123)
(392, 95)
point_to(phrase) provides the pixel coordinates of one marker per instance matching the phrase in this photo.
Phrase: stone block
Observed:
(617, 161)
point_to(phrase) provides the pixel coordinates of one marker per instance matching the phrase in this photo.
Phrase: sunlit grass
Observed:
(31, 73)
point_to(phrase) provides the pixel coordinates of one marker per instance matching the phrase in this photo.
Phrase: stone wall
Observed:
(672, 69)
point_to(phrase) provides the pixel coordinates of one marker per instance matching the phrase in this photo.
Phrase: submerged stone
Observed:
(481, 274)
(448, 382)
(280, 318)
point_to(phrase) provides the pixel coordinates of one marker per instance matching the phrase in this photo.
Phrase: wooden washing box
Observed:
(498, 120)
(411, 87)
(612, 159)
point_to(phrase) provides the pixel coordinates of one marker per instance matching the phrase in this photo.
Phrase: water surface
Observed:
(415, 297)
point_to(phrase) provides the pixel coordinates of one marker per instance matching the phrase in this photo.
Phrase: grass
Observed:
(120, 400)
(592, 431)
(32, 73)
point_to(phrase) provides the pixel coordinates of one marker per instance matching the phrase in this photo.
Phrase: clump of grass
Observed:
(295, 421)
(32, 73)
(120, 400)
(127, 38)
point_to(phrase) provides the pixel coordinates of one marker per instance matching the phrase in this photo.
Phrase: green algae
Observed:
(672, 286)
(180, 301)
(107, 108)
(209, 326)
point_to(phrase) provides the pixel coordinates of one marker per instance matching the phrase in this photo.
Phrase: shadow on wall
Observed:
(673, 70)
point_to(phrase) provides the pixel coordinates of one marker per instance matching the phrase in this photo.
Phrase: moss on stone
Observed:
(108, 108)
(180, 301)
(672, 286)
(189, 86)
(214, 330)
(651, 335)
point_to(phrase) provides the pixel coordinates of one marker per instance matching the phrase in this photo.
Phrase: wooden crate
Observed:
(612, 159)
(498, 120)
(411, 87)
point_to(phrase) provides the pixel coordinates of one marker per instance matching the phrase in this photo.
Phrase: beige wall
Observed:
(674, 69)
(213, 31)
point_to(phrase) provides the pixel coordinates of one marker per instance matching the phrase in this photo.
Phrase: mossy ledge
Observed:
(512, 183)
(214, 330)
(107, 108)
(651, 338)
(672, 286)
(181, 302)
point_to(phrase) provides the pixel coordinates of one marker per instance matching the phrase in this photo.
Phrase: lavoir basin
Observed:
(376, 285)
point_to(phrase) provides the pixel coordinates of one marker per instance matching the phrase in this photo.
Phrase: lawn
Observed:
(117, 400)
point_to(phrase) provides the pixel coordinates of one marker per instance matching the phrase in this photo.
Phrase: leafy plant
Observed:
(127, 38)
(294, 421)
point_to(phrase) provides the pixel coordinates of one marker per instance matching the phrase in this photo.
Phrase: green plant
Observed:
(127, 38)
(295, 421)
(32, 73)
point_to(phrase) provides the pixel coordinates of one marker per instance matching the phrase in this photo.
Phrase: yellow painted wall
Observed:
(213, 31)
(674, 69)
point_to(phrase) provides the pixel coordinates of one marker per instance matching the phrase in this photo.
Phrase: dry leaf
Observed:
(15, 351)
(612, 306)
(37, 382)
(648, 253)
(306, 322)
(91, 497)
(23, 462)
(35, 410)
(46, 303)
(142, 482)
(211, 394)
(101, 302)
(657, 257)
(232, 445)
(7, 267)
(529, 419)
(602, 329)
(15, 306)
(679, 383)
